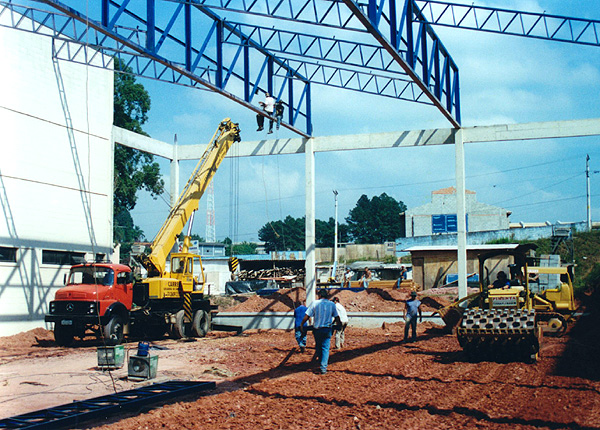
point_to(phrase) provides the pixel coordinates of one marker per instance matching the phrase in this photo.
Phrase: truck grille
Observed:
(69, 307)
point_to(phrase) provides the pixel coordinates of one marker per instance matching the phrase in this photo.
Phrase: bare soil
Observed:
(369, 300)
(375, 382)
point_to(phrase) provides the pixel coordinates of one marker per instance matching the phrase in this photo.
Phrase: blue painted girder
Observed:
(174, 57)
(189, 44)
(506, 21)
(411, 44)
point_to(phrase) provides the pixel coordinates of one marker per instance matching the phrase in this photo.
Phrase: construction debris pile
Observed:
(282, 274)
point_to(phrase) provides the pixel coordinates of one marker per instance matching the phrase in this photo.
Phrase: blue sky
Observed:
(504, 79)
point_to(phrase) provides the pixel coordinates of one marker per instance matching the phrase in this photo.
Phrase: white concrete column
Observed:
(310, 279)
(174, 174)
(461, 213)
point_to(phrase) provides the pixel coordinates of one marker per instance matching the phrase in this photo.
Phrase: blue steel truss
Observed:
(411, 45)
(373, 47)
(526, 24)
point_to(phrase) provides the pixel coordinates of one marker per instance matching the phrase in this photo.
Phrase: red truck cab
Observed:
(96, 296)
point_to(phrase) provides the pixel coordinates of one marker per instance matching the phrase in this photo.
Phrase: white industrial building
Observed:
(439, 216)
(56, 172)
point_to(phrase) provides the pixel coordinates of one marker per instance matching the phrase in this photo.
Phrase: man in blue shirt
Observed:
(413, 309)
(300, 326)
(323, 312)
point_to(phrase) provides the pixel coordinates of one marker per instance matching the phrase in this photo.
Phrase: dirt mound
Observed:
(369, 300)
(27, 343)
(27, 339)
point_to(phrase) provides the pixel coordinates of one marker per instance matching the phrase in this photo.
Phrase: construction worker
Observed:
(501, 281)
(323, 312)
(340, 331)
(300, 326)
(268, 106)
(412, 310)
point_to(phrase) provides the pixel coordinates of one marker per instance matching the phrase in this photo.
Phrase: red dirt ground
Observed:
(369, 300)
(375, 382)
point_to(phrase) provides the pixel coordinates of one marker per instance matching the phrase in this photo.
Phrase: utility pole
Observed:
(589, 205)
(335, 236)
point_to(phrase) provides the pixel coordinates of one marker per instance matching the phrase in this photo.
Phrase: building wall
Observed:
(431, 267)
(216, 271)
(480, 216)
(482, 237)
(56, 171)
(353, 252)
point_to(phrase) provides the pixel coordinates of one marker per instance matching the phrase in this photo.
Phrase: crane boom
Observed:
(227, 133)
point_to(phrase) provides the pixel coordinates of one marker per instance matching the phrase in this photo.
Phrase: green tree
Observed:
(376, 220)
(244, 248)
(325, 232)
(126, 232)
(286, 235)
(134, 170)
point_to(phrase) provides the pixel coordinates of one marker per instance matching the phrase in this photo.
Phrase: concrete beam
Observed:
(409, 138)
(143, 143)
(532, 131)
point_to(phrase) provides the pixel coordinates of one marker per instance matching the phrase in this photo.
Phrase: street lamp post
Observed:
(335, 236)
(589, 206)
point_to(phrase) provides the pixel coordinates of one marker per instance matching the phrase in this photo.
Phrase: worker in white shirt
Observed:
(340, 332)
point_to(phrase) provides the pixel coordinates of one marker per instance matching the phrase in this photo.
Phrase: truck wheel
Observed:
(180, 329)
(63, 335)
(113, 331)
(201, 323)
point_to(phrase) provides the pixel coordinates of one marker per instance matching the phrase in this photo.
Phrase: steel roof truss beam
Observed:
(220, 81)
(371, 23)
(139, 49)
(506, 21)
(313, 46)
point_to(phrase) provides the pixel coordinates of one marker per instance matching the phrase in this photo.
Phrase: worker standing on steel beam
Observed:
(268, 106)
(323, 312)
(279, 113)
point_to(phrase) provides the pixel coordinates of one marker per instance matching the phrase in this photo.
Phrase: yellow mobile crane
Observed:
(176, 292)
(103, 297)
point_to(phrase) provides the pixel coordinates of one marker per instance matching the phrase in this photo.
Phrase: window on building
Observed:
(445, 224)
(62, 258)
(8, 254)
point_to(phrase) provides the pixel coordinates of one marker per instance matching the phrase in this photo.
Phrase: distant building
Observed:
(439, 216)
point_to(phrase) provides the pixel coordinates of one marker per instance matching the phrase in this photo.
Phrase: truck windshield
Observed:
(91, 275)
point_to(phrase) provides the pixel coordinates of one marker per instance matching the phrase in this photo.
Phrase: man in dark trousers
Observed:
(413, 309)
(323, 312)
(300, 326)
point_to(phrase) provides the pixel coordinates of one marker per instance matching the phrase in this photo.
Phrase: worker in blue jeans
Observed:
(324, 313)
(413, 310)
(300, 327)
